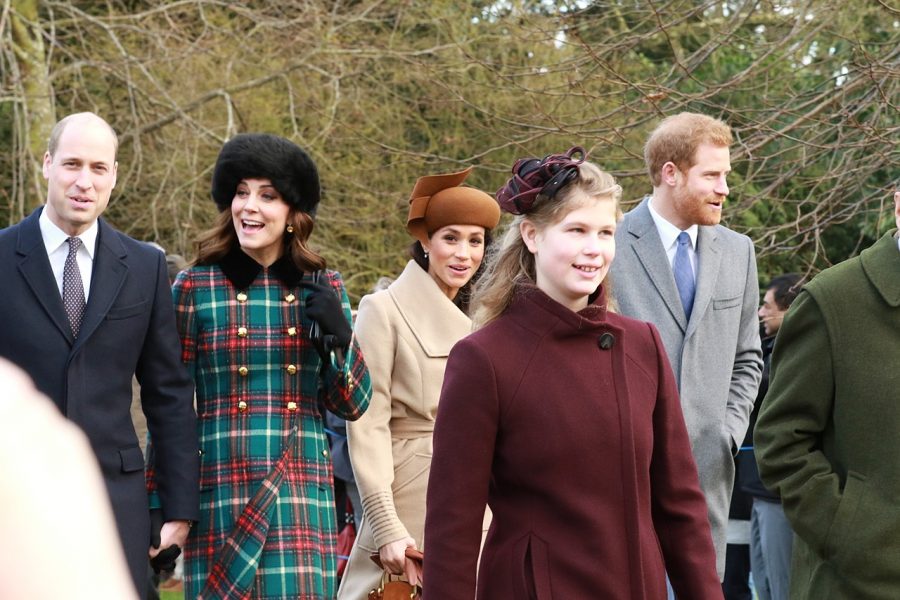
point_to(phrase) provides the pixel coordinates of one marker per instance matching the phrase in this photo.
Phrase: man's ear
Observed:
(529, 233)
(45, 169)
(669, 174)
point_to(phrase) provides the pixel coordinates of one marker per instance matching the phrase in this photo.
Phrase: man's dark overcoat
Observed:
(128, 329)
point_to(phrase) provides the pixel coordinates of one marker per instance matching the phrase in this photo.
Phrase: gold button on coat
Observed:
(291, 369)
(243, 371)
(324, 452)
(292, 331)
(242, 332)
(242, 406)
(292, 406)
(290, 298)
(241, 297)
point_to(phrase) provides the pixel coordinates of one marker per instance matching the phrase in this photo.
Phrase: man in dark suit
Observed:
(87, 308)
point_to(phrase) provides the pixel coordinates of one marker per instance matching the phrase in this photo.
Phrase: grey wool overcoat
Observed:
(715, 354)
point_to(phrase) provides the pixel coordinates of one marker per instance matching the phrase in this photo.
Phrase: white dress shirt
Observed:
(58, 249)
(668, 233)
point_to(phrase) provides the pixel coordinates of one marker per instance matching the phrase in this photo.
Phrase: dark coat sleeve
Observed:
(794, 416)
(464, 437)
(167, 396)
(679, 508)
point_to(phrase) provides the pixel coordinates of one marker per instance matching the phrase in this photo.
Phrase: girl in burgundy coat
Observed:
(564, 418)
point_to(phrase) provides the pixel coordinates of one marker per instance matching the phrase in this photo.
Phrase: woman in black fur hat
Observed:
(265, 330)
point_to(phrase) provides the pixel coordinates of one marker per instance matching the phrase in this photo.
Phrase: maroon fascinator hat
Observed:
(539, 176)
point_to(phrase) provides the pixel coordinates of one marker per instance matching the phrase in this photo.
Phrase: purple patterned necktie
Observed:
(73, 288)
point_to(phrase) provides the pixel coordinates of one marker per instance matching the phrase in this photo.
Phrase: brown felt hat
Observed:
(439, 200)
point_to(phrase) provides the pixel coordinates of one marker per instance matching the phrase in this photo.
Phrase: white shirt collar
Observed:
(668, 232)
(54, 237)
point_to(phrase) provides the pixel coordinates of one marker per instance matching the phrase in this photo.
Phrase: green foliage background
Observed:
(383, 91)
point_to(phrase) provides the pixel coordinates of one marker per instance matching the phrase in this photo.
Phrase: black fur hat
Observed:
(261, 155)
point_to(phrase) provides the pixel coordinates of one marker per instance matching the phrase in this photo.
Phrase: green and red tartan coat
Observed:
(267, 521)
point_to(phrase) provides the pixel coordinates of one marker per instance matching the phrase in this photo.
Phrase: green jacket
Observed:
(828, 431)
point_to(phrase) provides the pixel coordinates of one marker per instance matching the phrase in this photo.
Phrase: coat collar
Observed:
(881, 264)
(34, 265)
(650, 253)
(649, 249)
(432, 317)
(107, 276)
(530, 298)
(241, 270)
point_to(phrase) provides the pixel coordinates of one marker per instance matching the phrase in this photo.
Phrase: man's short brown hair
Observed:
(676, 139)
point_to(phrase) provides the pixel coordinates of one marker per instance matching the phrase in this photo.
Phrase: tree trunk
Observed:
(38, 113)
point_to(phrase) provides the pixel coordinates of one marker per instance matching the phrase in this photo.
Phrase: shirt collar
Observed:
(668, 233)
(54, 237)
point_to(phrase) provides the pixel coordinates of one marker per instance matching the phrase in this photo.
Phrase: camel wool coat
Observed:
(568, 425)
(406, 333)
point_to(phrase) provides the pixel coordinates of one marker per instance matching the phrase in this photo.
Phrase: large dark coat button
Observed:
(606, 341)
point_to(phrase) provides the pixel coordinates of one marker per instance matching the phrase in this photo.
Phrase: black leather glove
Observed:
(165, 560)
(324, 306)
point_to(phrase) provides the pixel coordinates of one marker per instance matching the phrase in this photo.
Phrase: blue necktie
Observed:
(684, 273)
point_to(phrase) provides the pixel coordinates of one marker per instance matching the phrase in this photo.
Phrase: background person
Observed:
(563, 417)
(771, 537)
(247, 312)
(406, 332)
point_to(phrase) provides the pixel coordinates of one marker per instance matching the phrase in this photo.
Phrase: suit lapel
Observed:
(652, 256)
(107, 277)
(34, 265)
(709, 257)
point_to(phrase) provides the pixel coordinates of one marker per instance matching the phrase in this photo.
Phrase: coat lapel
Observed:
(709, 258)
(34, 265)
(437, 328)
(652, 256)
(108, 275)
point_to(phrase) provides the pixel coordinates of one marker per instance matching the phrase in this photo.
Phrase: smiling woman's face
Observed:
(260, 214)
(454, 254)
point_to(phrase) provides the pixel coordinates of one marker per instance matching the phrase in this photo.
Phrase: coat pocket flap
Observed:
(721, 303)
(132, 459)
(124, 312)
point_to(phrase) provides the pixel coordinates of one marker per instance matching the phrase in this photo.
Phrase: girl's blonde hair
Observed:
(510, 263)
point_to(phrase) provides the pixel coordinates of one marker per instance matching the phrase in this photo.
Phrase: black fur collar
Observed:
(241, 270)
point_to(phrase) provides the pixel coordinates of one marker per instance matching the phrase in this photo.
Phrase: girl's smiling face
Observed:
(572, 256)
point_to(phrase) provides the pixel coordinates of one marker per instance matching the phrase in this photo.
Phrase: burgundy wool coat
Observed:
(568, 426)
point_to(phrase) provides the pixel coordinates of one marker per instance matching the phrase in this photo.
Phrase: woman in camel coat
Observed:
(406, 333)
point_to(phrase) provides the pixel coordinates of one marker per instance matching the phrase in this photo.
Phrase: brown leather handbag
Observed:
(394, 589)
